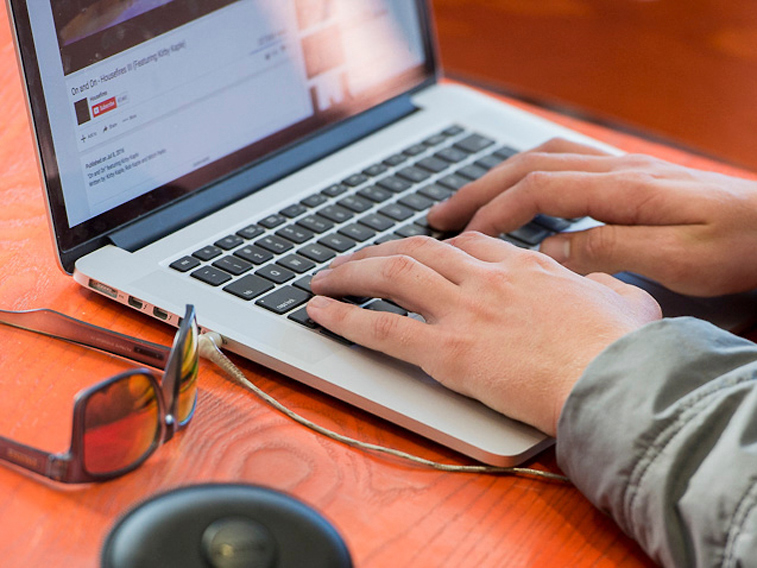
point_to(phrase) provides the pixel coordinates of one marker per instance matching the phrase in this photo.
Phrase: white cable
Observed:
(209, 349)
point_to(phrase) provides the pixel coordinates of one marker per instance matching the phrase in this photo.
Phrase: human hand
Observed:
(693, 231)
(509, 327)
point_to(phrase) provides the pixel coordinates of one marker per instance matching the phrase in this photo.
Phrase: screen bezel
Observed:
(193, 193)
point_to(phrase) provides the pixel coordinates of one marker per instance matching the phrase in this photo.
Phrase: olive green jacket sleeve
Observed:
(661, 433)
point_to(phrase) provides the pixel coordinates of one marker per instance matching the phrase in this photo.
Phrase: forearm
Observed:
(661, 433)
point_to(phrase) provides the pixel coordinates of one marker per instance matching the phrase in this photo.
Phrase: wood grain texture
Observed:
(682, 70)
(390, 513)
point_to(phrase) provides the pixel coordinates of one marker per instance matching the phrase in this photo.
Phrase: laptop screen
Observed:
(139, 102)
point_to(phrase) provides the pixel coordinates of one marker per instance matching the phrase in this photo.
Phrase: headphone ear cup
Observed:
(224, 526)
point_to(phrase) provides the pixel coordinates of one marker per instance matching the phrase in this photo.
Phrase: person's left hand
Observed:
(509, 327)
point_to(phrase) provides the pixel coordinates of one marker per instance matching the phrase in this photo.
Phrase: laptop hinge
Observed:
(165, 221)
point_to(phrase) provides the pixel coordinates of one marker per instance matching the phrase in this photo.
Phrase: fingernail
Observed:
(437, 207)
(320, 275)
(341, 259)
(557, 247)
(319, 302)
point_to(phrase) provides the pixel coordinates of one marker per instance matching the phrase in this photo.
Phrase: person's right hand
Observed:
(693, 231)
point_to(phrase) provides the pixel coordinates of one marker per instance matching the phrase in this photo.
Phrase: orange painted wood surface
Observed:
(390, 513)
(682, 70)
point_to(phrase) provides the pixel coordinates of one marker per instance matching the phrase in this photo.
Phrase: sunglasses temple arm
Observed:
(32, 459)
(57, 325)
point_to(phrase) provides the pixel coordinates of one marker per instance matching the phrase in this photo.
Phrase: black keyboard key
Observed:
(387, 238)
(472, 171)
(337, 242)
(249, 287)
(284, 299)
(185, 264)
(395, 160)
(334, 190)
(208, 252)
(505, 152)
(253, 254)
(295, 233)
(375, 170)
(315, 200)
(274, 244)
(355, 180)
(414, 150)
(489, 162)
(301, 316)
(294, 210)
(531, 233)
(304, 284)
(275, 273)
(435, 192)
(413, 230)
(384, 306)
(211, 275)
(375, 193)
(272, 221)
(316, 252)
(555, 224)
(514, 241)
(357, 300)
(435, 140)
(296, 263)
(397, 211)
(355, 203)
(357, 232)
(229, 242)
(233, 265)
(376, 222)
(316, 223)
(433, 165)
(453, 181)
(451, 154)
(250, 232)
(416, 201)
(413, 174)
(394, 184)
(453, 130)
(336, 213)
(474, 143)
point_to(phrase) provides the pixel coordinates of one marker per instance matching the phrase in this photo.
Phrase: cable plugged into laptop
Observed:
(210, 349)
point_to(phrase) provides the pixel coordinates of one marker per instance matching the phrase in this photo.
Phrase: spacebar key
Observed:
(284, 299)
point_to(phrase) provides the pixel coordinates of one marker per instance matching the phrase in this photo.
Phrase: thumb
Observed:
(609, 248)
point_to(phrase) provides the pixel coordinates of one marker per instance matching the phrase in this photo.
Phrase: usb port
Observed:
(134, 303)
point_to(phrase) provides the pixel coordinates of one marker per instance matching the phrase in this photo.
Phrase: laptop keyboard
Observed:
(270, 261)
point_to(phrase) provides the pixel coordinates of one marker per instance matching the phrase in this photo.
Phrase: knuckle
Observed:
(466, 238)
(385, 327)
(536, 179)
(413, 244)
(640, 161)
(555, 144)
(598, 244)
(397, 267)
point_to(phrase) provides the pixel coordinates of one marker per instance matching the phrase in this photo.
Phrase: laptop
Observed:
(219, 153)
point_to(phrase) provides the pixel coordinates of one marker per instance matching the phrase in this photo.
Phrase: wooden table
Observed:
(684, 70)
(390, 513)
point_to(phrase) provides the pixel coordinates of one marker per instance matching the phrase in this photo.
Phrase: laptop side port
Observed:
(161, 314)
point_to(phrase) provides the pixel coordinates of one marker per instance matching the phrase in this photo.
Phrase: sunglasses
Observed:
(121, 421)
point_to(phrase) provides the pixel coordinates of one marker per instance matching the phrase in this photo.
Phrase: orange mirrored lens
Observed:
(121, 424)
(190, 362)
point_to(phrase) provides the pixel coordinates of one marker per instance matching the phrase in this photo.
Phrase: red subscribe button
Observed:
(104, 106)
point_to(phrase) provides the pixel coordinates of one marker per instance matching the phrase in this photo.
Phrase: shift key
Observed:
(284, 299)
